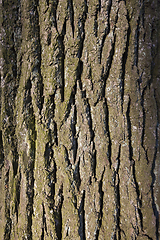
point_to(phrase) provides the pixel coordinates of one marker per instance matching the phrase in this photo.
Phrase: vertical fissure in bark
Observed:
(79, 72)
(42, 235)
(76, 175)
(142, 13)
(74, 138)
(107, 28)
(94, 162)
(154, 206)
(105, 72)
(29, 119)
(61, 59)
(19, 69)
(1, 153)
(55, 133)
(17, 199)
(139, 81)
(89, 118)
(144, 122)
(39, 64)
(70, 103)
(136, 44)
(108, 132)
(100, 213)
(50, 168)
(44, 225)
(18, 40)
(8, 224)
(81, 32)
(129, 131)
(71, 14)
(52, 17)
(58, 213)
(96, 21)
(36, 76)
(139, 201)
(154, 46)
(132, 167)
(108, 66)
(70, 175)
(15, 154)
(124, 60)
(115, 183)
(15, 157)
(30, 196)
(67, 161)
(48, 155)
(49, 117)
(14, 56)
(140, 21)
(81, 213)
(92, 135)
(47, 1)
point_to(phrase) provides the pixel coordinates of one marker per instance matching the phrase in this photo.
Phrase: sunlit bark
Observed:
(80, 114)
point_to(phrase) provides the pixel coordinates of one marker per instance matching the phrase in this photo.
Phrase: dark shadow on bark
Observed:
(8, 225)
(154, 206)
(58, 213)
(108, 131)
(1, 152)
(81, 213)
(100, 214)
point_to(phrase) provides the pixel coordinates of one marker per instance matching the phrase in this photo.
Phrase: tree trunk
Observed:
(80, 114)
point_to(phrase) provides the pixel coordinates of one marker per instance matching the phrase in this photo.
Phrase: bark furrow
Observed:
(79, 122)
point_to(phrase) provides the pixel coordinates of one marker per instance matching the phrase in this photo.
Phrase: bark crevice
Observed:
(154, 206)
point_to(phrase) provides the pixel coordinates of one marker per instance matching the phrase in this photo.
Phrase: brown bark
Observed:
(79, 125)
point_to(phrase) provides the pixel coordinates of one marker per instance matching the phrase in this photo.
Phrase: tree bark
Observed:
(79, 123)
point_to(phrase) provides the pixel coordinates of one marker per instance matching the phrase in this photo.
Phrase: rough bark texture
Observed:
(80, 115)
